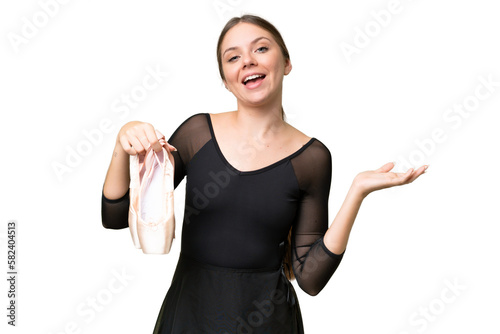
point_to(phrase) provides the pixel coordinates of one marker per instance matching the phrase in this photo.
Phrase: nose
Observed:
(249, 59)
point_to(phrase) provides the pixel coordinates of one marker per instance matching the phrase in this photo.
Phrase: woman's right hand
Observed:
(136, 137)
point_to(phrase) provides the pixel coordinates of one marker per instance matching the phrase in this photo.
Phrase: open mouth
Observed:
(253, 78)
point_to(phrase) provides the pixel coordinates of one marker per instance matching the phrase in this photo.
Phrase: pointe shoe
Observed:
(151, 214)
(136, 163)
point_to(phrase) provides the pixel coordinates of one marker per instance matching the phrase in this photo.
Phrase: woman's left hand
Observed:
(381, 178)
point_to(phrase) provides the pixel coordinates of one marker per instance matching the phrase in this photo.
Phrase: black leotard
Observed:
(237, 222)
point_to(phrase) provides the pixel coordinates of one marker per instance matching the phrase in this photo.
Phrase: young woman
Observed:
(256, 210)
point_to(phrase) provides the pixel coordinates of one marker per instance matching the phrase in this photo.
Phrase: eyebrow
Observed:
(253, 42)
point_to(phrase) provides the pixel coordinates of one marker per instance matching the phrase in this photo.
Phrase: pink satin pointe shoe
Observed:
(135, 184)
(151, 210)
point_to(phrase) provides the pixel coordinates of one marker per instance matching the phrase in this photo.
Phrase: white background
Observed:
(407, 242)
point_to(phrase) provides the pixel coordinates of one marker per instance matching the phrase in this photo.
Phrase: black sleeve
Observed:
(114, 212)
(313, 263)
(188, 138)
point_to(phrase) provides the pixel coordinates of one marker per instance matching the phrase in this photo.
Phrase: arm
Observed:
(117, 179)
(316, 249)
(364, 183)
(133, 138)
(313, 263)
(337, 235)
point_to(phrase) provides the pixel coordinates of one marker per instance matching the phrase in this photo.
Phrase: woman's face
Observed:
(253, 65)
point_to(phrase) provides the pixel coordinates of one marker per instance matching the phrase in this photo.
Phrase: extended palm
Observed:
(381, 178)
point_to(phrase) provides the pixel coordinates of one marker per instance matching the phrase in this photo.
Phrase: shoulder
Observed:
(221, 115)
(315, 146)
(320, 148)
(195, 123)
(313, 166)
(314, 157)
(296, 135)
(317, 154)
(199, 117)
(221, 119)
(195, 120)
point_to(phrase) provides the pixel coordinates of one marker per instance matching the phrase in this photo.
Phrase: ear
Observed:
(288, 66)
(225, 84)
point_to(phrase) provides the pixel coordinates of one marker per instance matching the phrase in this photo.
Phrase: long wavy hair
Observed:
(266, 25)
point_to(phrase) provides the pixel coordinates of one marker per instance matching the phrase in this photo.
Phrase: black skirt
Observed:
(208, 299)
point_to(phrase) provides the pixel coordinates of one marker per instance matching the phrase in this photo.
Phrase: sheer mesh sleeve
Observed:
(313, 263)
(114, 212)
(188, 138)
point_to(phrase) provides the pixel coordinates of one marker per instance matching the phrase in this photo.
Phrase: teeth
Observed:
(255, 76)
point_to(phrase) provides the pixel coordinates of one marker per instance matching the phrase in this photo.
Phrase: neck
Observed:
(259, 120)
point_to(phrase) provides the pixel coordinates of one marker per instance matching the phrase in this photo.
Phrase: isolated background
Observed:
(407, 241)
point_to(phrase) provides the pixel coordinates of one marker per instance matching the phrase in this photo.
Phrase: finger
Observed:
(159, 134)
(417, 173)
(136, 145)
(126, 145)
(404, 177)
(385, 168)
(413, 178)
(152, 138)
(144, 139)
(421, 170)
(132, 136)
(170, 147)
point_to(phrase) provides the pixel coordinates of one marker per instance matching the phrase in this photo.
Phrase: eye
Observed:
(262, 49)
(232, 59)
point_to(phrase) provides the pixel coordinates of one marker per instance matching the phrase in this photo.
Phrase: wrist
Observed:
(357, 190)
(118, 146)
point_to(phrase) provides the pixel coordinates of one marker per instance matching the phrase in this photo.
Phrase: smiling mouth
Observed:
(253, 78)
